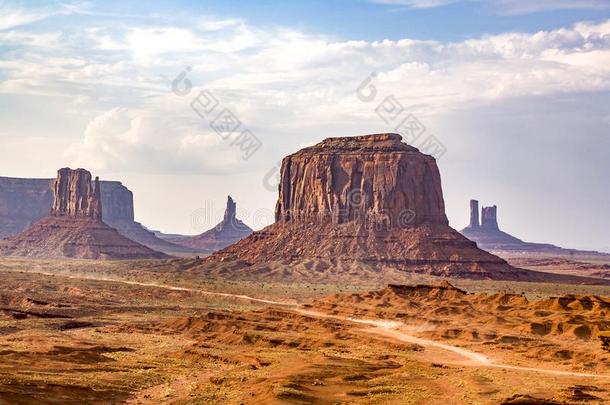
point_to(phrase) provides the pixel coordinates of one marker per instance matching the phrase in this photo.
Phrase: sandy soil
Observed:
(73, 339)
(585, 266)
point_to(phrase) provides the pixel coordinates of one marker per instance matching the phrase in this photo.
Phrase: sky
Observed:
(515, 94)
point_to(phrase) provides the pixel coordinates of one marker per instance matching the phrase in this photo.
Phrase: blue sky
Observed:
(368, 20)
(516, 90)
(356, 19)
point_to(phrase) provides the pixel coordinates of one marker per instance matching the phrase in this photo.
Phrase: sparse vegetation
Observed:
(155, 345)
(605, 339)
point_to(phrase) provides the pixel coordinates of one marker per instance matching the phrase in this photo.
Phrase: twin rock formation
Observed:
(74, 226)
(487, 234)
(489, 218)
(367, 199)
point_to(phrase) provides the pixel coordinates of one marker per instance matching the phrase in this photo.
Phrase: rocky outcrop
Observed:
(368, 199)
(226, 233)
(75, 196)
(489, 218)
(74, 227)
(117, 201)
(373, 178)
(474, 214)
(230, 215)
(25, 201)
(488, 236)
(604, 337)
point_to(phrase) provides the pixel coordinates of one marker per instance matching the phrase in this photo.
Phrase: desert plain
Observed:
(149, 332)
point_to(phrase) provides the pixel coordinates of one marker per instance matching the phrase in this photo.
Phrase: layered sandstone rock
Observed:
(74, 227)
(369, 200)
(25, 201)
(226, 233)
(488, 236)
(489, 217)
(474, 214)
(374, 178)
(75, 196)
(117, 201)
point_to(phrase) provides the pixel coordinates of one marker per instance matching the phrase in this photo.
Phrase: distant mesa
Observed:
(74, 227)
(24, 202)
(488, 236)
(225, 233)
(369, 200)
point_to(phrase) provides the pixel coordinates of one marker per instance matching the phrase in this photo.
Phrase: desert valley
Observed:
(305, 202)
(359, 292)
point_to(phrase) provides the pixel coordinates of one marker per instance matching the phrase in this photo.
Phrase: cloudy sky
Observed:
(515, 91)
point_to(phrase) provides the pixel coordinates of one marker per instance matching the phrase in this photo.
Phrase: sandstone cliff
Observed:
(117, 201)
(489, 217)
(75, 196)
(373, 178)
(25, 201)
(74, 227)
(369, 200)
(474, 214)
(225, 233)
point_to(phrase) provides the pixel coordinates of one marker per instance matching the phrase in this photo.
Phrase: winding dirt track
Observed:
(376, 326)
(391, 329)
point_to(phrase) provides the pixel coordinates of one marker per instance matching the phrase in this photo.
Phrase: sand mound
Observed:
(582, 317)
(564, 329)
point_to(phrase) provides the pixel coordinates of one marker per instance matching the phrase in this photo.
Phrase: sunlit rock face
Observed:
(372, 178)
(74, 226)
(367, 200)
(75, 196)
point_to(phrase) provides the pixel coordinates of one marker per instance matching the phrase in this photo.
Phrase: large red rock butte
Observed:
(366, 199)
(225, 233)
(374, 178)
(74, 227)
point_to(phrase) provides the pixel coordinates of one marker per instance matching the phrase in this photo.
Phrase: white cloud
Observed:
(147, 43)
(128, 140)
(24, 38)
(11, 17)
(113, 110)
(281, 81)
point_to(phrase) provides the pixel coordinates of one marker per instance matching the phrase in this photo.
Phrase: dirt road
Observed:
(387, 328)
